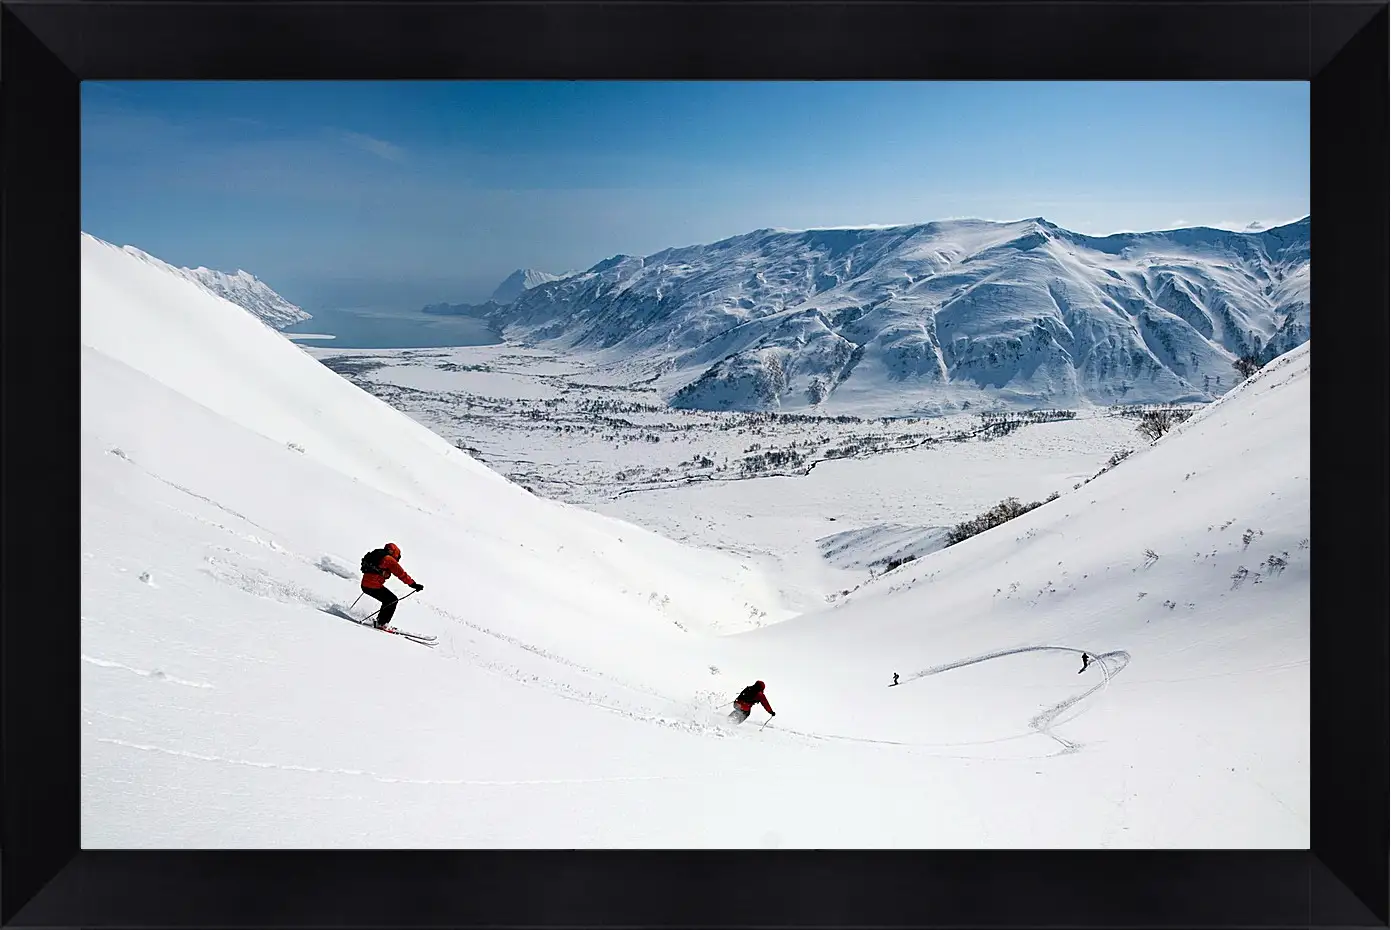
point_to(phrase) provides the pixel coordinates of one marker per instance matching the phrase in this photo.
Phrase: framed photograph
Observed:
(696, 464)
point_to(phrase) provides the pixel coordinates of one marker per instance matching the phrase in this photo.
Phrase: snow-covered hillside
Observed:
(1185, 569)
(523, 279)
(572, 698)
(925, 318)
(243, 289)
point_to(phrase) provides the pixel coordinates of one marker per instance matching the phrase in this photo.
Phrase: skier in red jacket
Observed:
(377, 566)
(743, 704)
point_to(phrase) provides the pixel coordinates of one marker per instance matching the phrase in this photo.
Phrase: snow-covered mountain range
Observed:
(933, 317)
(243, 289)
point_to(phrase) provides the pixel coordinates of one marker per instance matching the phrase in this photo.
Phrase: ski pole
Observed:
(765, 723)
(354, 603)
(398, 600)
(379, 609)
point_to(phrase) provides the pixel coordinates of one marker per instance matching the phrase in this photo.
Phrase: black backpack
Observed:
(372, 562)
(749, 695)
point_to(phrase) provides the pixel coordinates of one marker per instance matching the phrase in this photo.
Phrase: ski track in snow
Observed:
(1042, 722)
(248, 537)
(155, 674)
(260, 583)
(394, 779)
(178, 487)
(560, 688)
(571, 693)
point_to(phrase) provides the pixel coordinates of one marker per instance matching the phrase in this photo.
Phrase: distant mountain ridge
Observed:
(934, 317)
(515, 284)
(519, 281)
(243, 289)
(481, 311)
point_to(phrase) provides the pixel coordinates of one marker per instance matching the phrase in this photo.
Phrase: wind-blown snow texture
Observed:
(230, 483)
(921, 318)
(243, 289)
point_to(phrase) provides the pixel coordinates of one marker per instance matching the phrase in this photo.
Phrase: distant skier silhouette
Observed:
(1086, 660)
(895, 679)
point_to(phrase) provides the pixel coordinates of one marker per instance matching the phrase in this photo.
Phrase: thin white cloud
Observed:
(379, 147)
(1256, 225)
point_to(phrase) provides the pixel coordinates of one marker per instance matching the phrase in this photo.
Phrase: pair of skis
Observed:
(421, 638)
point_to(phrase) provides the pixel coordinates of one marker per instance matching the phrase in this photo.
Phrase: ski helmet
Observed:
(759, 685)
(393, 550)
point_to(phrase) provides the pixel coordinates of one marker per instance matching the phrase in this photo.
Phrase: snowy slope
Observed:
(243, 289)
(523, 279)
(1185, 570)
(252, 378)
(230, 483)
(922, 318)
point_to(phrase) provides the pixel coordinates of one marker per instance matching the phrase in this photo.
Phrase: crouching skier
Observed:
(1086, 660)
(377, 566)
(743, 704)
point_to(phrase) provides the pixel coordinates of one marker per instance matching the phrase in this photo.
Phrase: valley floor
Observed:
(825, 502)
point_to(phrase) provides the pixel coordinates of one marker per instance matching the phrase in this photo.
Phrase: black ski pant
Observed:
(388, 604)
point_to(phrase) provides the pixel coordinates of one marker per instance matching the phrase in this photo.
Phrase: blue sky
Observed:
(395, 194)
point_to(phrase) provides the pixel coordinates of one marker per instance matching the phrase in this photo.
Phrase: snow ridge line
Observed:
(1296, 356)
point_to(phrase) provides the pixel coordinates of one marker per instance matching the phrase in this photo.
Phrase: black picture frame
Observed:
(46, 49)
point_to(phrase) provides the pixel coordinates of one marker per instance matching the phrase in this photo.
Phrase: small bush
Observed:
(1247, 365)
(1004, 511)
(895, 562)
(1155, 423)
